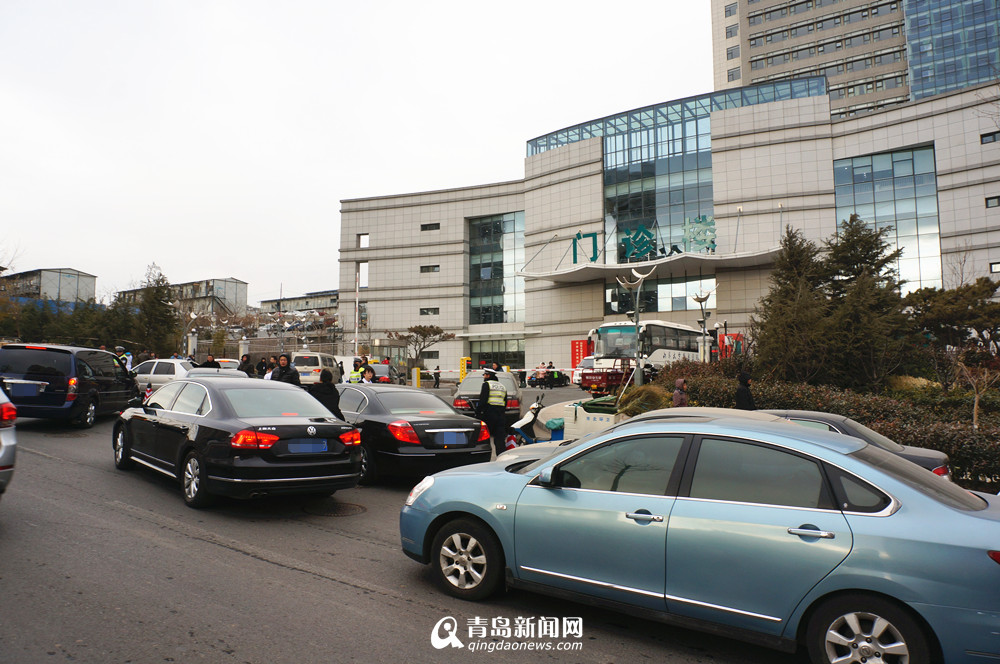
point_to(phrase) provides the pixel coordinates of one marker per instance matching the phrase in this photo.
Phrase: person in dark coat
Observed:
(744, 400)
(262, 367)
(285, 372)
(246, 366)
(210, 363)
(325, 392)
(437, 376)
(680, 393)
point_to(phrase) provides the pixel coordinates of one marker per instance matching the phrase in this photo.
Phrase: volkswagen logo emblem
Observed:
(311, 431)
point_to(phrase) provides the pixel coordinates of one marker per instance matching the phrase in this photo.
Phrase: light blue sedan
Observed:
(767, 532)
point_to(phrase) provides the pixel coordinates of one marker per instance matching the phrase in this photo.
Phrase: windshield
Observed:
(274, 403)
(617, 341)
(414, 403)
(306, 361)
(920, 479)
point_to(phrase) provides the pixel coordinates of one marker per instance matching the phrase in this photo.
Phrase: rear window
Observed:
(29, 361)
(474, 383)
(414, 403)
(306, 360)
(920, 479)
(274, 403)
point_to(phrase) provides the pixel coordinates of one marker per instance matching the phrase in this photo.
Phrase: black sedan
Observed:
(406, 431)
(240, 438)
(932, 460)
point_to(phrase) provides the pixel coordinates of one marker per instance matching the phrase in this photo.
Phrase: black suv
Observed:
(64, 382)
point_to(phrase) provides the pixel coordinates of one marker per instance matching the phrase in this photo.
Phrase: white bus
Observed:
(660, 342)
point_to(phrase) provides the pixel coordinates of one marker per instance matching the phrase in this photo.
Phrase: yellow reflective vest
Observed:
(498, 394)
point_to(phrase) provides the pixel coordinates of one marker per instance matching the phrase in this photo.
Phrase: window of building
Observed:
(429, 311)
(507, 352)
(994, 268)
(731, 9)
(896, 191)
(430, 227)
(992, 137)
(362, 240)
(430, 354)
(993, 201)
(362, 274)
(496, 251)
(732, 30)
(733, 74)
(430, 268)
(733, 52)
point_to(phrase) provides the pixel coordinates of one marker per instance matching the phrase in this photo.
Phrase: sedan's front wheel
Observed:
(467, 559)
(862, 628)
(193, 481)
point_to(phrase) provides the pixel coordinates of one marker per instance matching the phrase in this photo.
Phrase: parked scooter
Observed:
(528, 430)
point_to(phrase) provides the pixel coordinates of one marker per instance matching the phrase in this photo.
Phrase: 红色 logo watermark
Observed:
(522, 633)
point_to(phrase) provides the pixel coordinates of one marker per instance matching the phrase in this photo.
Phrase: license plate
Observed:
(307, 446)
(22, 390)
(449, 438)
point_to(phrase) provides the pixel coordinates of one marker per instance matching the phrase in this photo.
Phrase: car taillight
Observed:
(71, 387)
(402, 431)
(384, 379)
(352, 437)
(995, 555)
(8, 413)
(462, 403)
(943, 471)
(513, 403)
(484, 432)
(252, 440)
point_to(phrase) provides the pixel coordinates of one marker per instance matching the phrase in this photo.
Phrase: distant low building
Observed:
(327, 301)
(219, 297)
(64, 285)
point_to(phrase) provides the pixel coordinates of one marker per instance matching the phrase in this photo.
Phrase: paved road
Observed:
(99, 565)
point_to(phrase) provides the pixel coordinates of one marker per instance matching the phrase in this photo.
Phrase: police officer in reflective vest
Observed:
(355, 375)
(492, 407)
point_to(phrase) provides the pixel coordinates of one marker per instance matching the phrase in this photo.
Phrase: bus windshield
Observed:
(617, 341)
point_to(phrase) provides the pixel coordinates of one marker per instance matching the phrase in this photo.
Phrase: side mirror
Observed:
(545, 477)
(135, 402)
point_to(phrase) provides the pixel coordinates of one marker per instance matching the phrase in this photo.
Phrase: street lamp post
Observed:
(637, 285)
(706, 353)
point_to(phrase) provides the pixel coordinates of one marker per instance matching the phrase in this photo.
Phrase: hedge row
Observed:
(975, 454)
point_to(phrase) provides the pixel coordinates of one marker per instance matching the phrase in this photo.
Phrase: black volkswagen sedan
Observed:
(240, 438)
(406, 431)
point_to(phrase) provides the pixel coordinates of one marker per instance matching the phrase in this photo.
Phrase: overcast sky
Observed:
(216, 138)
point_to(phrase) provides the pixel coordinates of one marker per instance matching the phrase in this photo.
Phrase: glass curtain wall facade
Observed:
(508, 352)
(897, 190)
(952, 44)
(658, 185)
(496, 248)
(658, 169)
(671, 294)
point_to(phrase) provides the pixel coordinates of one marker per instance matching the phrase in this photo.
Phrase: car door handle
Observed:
(644, 516)
(810, 532)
